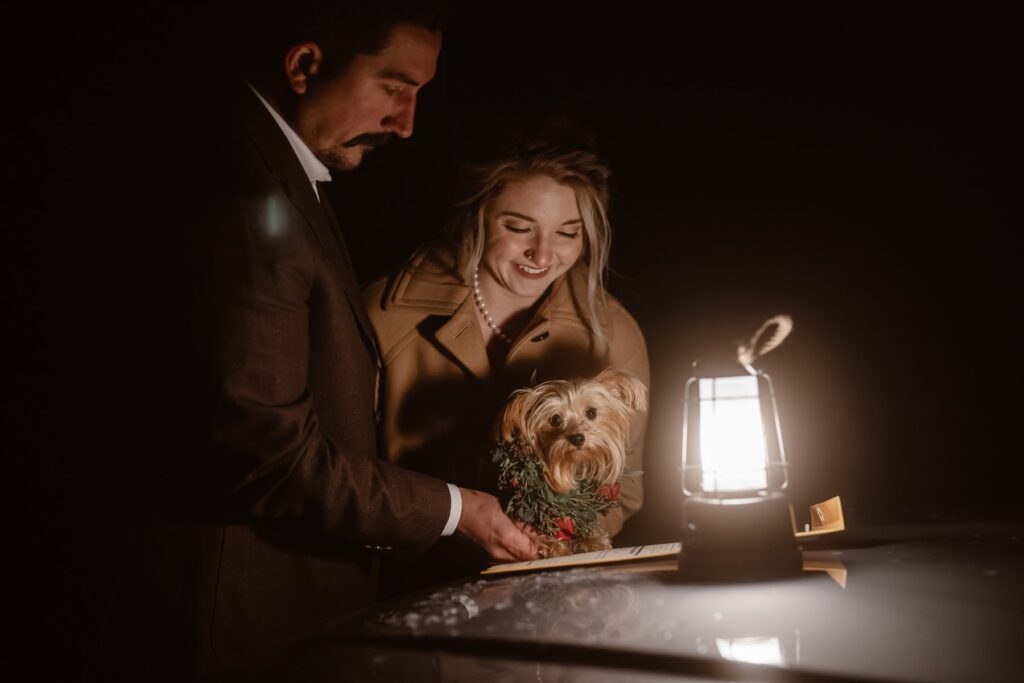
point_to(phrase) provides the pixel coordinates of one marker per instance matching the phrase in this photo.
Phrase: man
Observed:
(265, 522)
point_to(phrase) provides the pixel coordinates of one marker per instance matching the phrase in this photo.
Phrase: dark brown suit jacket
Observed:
(266, 513)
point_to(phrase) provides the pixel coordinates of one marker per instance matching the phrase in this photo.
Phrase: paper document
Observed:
(639, 552)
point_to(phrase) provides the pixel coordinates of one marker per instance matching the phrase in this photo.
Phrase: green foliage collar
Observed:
(530, 500)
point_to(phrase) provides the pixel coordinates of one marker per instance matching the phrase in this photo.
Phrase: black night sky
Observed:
(850, 165)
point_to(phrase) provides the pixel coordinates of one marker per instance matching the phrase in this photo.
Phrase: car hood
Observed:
(891, 604)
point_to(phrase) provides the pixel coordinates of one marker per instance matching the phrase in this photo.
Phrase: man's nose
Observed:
(400, 122)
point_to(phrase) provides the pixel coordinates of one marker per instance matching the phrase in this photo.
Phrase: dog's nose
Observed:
(576, 440)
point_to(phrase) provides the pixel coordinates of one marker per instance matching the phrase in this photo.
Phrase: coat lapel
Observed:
(461, 337)
(428, 286)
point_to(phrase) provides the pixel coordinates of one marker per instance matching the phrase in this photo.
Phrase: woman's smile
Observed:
(534, 235)
(532, 273)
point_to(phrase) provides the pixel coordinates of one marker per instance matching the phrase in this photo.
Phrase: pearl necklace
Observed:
(483, 308)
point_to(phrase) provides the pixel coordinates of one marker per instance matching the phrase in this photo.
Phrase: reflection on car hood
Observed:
(934, 604)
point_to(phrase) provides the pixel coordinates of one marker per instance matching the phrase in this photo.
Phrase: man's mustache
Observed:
(369, 139)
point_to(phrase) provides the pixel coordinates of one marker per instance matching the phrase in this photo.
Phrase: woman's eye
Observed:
(570, 235)
(591, 413)
(516, 229)
(556, 420)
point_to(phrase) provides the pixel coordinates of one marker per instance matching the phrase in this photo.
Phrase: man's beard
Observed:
(335, 158)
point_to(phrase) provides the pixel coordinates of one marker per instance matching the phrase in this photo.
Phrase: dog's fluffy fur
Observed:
(580, 431)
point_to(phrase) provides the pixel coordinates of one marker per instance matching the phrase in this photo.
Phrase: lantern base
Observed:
(738, 539)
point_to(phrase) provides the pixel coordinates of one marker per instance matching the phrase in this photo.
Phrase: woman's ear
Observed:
(626, 387)
(301, 63)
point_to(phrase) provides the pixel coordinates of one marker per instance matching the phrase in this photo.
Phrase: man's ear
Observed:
(301, 64)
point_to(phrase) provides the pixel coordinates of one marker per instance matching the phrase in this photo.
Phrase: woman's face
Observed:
(533, 234)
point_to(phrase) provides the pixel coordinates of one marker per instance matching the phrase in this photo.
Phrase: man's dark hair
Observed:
(342, 28)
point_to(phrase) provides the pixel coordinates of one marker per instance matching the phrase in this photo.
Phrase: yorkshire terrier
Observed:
(565, 446)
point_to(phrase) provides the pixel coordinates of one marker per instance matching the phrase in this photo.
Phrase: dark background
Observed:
(849, 165)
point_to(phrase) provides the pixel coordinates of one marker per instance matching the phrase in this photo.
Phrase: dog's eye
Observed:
(591, 413)
(556, 420)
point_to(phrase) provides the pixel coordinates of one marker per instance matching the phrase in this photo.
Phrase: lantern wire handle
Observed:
(769, 336)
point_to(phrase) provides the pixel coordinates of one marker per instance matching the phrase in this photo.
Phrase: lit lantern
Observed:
(736, 517)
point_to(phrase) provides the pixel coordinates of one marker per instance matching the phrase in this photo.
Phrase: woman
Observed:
(517, 298)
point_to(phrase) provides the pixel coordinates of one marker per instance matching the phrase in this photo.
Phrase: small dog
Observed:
(579, 432)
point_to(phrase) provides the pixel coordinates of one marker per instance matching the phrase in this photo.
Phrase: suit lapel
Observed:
(285, 166)
(351, 285)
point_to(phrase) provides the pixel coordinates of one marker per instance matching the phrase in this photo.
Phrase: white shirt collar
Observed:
(314, 168)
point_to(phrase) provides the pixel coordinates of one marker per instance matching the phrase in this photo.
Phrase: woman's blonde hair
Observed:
(578, 169)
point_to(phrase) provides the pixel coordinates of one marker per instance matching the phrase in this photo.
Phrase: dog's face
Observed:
(579, 428)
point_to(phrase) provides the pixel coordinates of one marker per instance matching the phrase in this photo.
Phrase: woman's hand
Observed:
(484, 523)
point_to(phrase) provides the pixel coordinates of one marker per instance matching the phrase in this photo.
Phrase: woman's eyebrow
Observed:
(523, 216)
(516, 214)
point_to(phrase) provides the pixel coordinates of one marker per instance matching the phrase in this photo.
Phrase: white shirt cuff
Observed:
(455, 512)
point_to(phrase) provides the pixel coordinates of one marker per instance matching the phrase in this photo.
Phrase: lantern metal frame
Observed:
(737, 535)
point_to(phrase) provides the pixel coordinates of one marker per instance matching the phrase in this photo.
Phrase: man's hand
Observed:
(484, 523)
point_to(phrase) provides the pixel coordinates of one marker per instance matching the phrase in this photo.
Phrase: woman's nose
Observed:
(539, 253)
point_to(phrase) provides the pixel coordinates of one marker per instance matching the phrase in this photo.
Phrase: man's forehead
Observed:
(410, 55)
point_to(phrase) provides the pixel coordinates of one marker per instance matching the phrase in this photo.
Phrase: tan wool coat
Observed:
(440, 396)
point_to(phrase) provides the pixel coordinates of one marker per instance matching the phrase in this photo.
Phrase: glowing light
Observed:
(275, 217)
(755, 650)
(732, 439)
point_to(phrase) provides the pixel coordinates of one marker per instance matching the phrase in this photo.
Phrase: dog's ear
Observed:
(516, 410)
(626, 387)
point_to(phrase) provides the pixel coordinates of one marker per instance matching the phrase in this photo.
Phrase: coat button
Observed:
(377, 416)
(541, 337)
